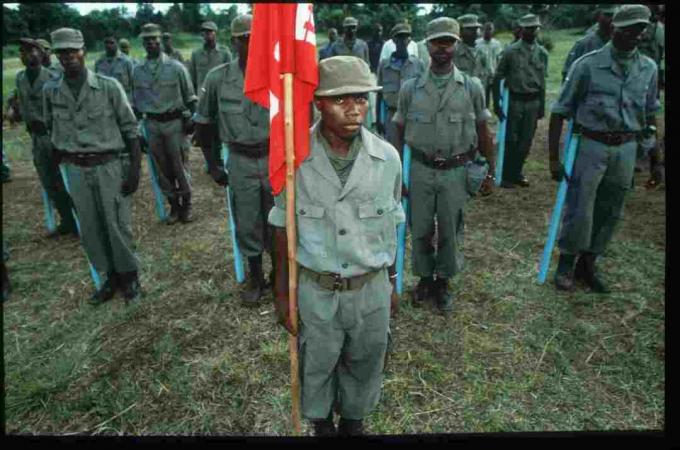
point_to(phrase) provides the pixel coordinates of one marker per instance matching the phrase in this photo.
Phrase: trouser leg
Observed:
(391, 131)
(422, 209)
(50, 178)
(245, 179)
(451, 197)
(526, 133)
(157, 147)
(511, 165)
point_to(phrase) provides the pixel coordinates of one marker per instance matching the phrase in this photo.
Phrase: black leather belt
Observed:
(438, 162)
(254, 151)
(609, 137)
(165, 117)
(87, 159)
(334, 282)
(525, 96)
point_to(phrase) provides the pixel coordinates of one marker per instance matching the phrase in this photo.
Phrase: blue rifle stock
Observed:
(49, 213)
(500, 137)
(238, 259)
(383, 115)
(95, 276)
(158, 195)
(401, 228)
(569, 156)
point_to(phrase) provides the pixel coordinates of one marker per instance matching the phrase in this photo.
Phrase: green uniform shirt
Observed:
(222, 101)
(175, 54)
(95, 122)
(203, 60)
(587, 44)
(491, 51)
(391, 76)
(341, 164)
(359, 49)
(119, 67)
(602, 98)
(524, 68)
(349, 230)
(470, 60)
(30, 95)
(166, 87)
(445, 124)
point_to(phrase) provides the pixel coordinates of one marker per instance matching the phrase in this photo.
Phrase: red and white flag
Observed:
(283, 40)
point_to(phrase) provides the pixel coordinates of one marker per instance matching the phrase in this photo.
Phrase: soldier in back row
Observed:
(468, 57)
(349, 43)
(592, 41)
(491, 50)
(210, 55)
(116, 65)
(169, 50)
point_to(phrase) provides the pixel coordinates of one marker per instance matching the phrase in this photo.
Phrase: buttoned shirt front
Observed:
(203, 60)
(97, 121)
(391, 76)
(165, 88)
(30, 94)
(602, 98)
(119, 67)
(524, 67)
(491, 50)
(348, 230)
(222, 101)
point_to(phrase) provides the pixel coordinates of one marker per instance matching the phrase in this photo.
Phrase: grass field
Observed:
(515, 355)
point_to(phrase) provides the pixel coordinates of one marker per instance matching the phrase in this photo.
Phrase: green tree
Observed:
(191, 17)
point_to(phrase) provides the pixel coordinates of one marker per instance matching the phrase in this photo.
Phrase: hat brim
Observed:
(31, 42)
(68, 46)
(442, 34)
(240, 33)
(627, 23)
(346, 90)
(150, 34)
(472, 25)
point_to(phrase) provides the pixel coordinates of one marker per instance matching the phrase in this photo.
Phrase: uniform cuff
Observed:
(277, 217)
(484, 116)
(197, 118)
(399, 215)
(398, 118)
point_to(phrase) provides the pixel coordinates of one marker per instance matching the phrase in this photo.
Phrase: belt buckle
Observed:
(337, 282)
(439, 162)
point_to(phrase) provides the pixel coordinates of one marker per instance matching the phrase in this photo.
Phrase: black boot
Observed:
(324, 427)
(130, 286)
(564, 275)
(107, 290)
(251, 296)
(443, 295)
(586, 272)
(185, 215)
(350, 427)
(173, 217)
(424, 290)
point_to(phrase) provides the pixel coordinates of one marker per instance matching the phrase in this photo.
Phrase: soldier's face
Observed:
(125, 48)
(350, 31)
(110, 46)
(152, 45)
(605, 21)
(441, 50)
(343, 115)
(402, 41)
(209, 36)
(73, 60)
(167, 42)
(529, 33)
(332, 35)
(488, 32)
(469, 34)
(31, 56)
(627, 38)
(240, 44)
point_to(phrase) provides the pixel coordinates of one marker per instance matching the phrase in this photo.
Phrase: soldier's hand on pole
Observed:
(131, 184)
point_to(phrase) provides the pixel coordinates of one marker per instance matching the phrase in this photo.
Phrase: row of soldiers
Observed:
(348, 190)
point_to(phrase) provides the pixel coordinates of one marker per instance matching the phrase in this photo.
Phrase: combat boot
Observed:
(585, 271)
(132, 290)
(324, 427)
(185, 215)
(423, 291)
(251, 296)
(350, 427)
(173, 217)
(106, 291)
(443, 295)
(564, 275)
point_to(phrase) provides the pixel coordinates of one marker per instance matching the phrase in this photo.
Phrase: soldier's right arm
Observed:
(501, 72)
(277, 218)
(403, 104)
(192, 70)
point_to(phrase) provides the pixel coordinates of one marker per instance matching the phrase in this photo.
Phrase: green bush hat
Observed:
(44, 44)
(530, 20)
(469, 21)
(124, 42)
(628, 15)
(31, 42)
(350, 22)
(240, 26)
(166, 35)
(400, 28)
(341, 75)
(150, 30)
(442, 27)
(67, 38)
(209, 26)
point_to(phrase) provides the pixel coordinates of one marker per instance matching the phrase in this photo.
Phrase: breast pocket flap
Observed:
(311, 211)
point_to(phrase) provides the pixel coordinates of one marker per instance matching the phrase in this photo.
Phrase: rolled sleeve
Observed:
(124, 116)
(277, 215)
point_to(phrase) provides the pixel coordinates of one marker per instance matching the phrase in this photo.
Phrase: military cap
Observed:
(31, 42)
(209, 25)
(442, 27)
(64, 38)
(607, 8)
(530, 20)
(123, 42)
(469, 21)
(240, 26)
(350, 22)
(44, 44)
(628, 15)
(150, 30)
(400, 28)
(166, 35)
(341, 75)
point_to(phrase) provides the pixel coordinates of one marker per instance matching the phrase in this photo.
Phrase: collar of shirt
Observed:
(427, 75)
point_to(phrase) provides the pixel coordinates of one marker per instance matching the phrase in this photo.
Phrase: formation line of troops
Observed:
(349, 189)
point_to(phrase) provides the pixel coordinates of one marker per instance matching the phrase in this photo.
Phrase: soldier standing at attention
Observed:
(611, 94)
(442, 116)
(164, 95)
(53, 66)
(350, 44)
(223, 110)
(94, 133)
(209, 56)
(124, 46)
(392, 73)
(491, 48)
(375, 46)
(169, 50)
(116, 65)
(29, 87)
(347, 200)
(524, 66)
(332, 37)
(468, 57)
(592, 41)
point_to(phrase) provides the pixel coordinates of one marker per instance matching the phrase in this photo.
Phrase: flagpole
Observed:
(291, 234)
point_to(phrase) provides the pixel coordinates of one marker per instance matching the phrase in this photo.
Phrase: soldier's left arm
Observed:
(189, 98)
(482, 116)
(541, 111)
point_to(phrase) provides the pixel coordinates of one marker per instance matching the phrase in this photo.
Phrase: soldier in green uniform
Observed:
(209, 56)
(592, 41)
(491, 48)
(442, 116)
(611, 95)
(332, 36)
(169, 50)
(468, 57)
(347, 200)
(244, 127)
(349, 43)
(29, 87)
(164, 95)
(392, 73)
(94, 133)
(53, 66)
(524, 66)
(124, 46)
(116, 65)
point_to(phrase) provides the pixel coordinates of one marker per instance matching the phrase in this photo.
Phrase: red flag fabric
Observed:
(283, 40)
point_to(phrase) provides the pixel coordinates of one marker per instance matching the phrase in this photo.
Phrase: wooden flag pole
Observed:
(291, 234)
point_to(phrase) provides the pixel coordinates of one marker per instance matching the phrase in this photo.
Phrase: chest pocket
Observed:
(169, 89)
(311, 228)
(120, 74)
(377, 228)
